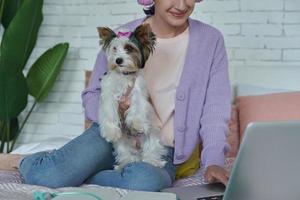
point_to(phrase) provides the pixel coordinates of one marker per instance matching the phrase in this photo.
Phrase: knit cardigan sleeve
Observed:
(90, 96)
(216, 110)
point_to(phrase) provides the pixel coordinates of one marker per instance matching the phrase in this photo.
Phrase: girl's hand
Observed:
(124, 102)
(216, 173)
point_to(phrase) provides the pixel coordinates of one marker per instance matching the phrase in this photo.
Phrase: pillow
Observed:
(268, 107)
(247, 89)
(233, 137)
(189, 167)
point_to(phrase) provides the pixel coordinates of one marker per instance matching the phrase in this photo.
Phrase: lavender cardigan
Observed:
(203, 97)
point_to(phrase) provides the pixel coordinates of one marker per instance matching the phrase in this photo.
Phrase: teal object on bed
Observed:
(49, 196)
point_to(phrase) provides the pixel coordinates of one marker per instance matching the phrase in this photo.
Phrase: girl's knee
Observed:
(40, 169)
(145, 177)
(28, 163)
(52, 178)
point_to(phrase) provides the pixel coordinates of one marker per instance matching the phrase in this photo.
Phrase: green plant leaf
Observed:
(43, 73)
(10, 8)
(20, 37)
(13, 95)
(16, 46)
(14, 127)
(1, 9)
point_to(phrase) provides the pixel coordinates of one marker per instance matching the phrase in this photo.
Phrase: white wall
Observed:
(257, 32)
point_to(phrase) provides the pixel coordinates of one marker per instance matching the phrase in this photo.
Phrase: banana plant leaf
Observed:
(13, 95)
(1, 9)
(45, 70)
(10, 8)
(16, 46)
(20, 37)
(14, 127)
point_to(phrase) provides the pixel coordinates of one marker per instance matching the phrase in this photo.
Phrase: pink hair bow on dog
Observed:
(124, 34)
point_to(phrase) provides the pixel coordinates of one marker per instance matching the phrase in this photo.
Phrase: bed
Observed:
(12, 186)
(246, 81)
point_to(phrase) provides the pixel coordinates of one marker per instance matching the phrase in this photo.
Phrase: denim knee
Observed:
(72, 164)
(145, 177)
(43, 169)
(26, 165)
(33, 170)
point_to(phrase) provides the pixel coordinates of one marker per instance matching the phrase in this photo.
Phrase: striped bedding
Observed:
(12, 186)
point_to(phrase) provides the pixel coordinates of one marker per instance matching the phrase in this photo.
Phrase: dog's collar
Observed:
(128, 73)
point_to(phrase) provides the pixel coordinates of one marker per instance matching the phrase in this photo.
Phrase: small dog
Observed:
(135, 137)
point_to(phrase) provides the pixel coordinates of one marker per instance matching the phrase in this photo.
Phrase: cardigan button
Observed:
(179, 156)
(181, 128)
(180, 96)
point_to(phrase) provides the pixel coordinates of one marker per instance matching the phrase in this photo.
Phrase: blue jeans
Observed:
(89, 159)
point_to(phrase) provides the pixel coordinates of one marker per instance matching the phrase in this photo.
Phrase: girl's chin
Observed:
(176, 22)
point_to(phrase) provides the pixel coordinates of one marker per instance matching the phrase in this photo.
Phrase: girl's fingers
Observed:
(209, 178)
(217, 175)
(227, 174)
(222, 178)
(124, 105)
(127, 103)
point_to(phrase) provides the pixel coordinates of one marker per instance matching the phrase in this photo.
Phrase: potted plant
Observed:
(21, 20)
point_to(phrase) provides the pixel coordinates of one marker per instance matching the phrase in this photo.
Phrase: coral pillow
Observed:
(233, 138)
(268, 107)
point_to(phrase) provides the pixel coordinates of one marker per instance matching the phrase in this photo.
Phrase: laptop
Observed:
(267, 167)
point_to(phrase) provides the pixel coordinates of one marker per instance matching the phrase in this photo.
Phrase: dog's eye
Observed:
(115, 48)
(129, 48)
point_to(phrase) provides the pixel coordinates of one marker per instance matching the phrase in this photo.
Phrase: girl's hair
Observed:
(149, 6)
(149, 10)
(149, 2)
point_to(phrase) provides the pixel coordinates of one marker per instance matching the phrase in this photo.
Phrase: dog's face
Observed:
(127, 52)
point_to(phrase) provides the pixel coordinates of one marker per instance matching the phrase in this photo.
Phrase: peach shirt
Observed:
(162, 74)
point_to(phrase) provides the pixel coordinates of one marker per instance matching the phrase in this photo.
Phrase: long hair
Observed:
(149, 10)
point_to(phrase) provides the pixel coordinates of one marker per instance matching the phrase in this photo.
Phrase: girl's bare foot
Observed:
(10, 161)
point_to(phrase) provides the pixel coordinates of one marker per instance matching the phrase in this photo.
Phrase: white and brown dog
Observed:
(134, 136)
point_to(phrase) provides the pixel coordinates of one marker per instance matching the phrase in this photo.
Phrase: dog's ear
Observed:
(146, 38)
(106, 35)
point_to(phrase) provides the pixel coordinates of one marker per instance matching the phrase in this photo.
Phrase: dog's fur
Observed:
(135, 137)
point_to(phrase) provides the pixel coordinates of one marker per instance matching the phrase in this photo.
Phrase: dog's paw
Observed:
(161, 163)
(138, 126)
(117, 167)
(113, 137)
(111, 134)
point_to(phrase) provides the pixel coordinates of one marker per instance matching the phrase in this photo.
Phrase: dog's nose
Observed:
(119, 61)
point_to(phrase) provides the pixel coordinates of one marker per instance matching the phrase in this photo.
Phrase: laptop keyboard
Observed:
(219, 197)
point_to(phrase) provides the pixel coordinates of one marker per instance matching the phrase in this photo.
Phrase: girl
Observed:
(187, 78)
